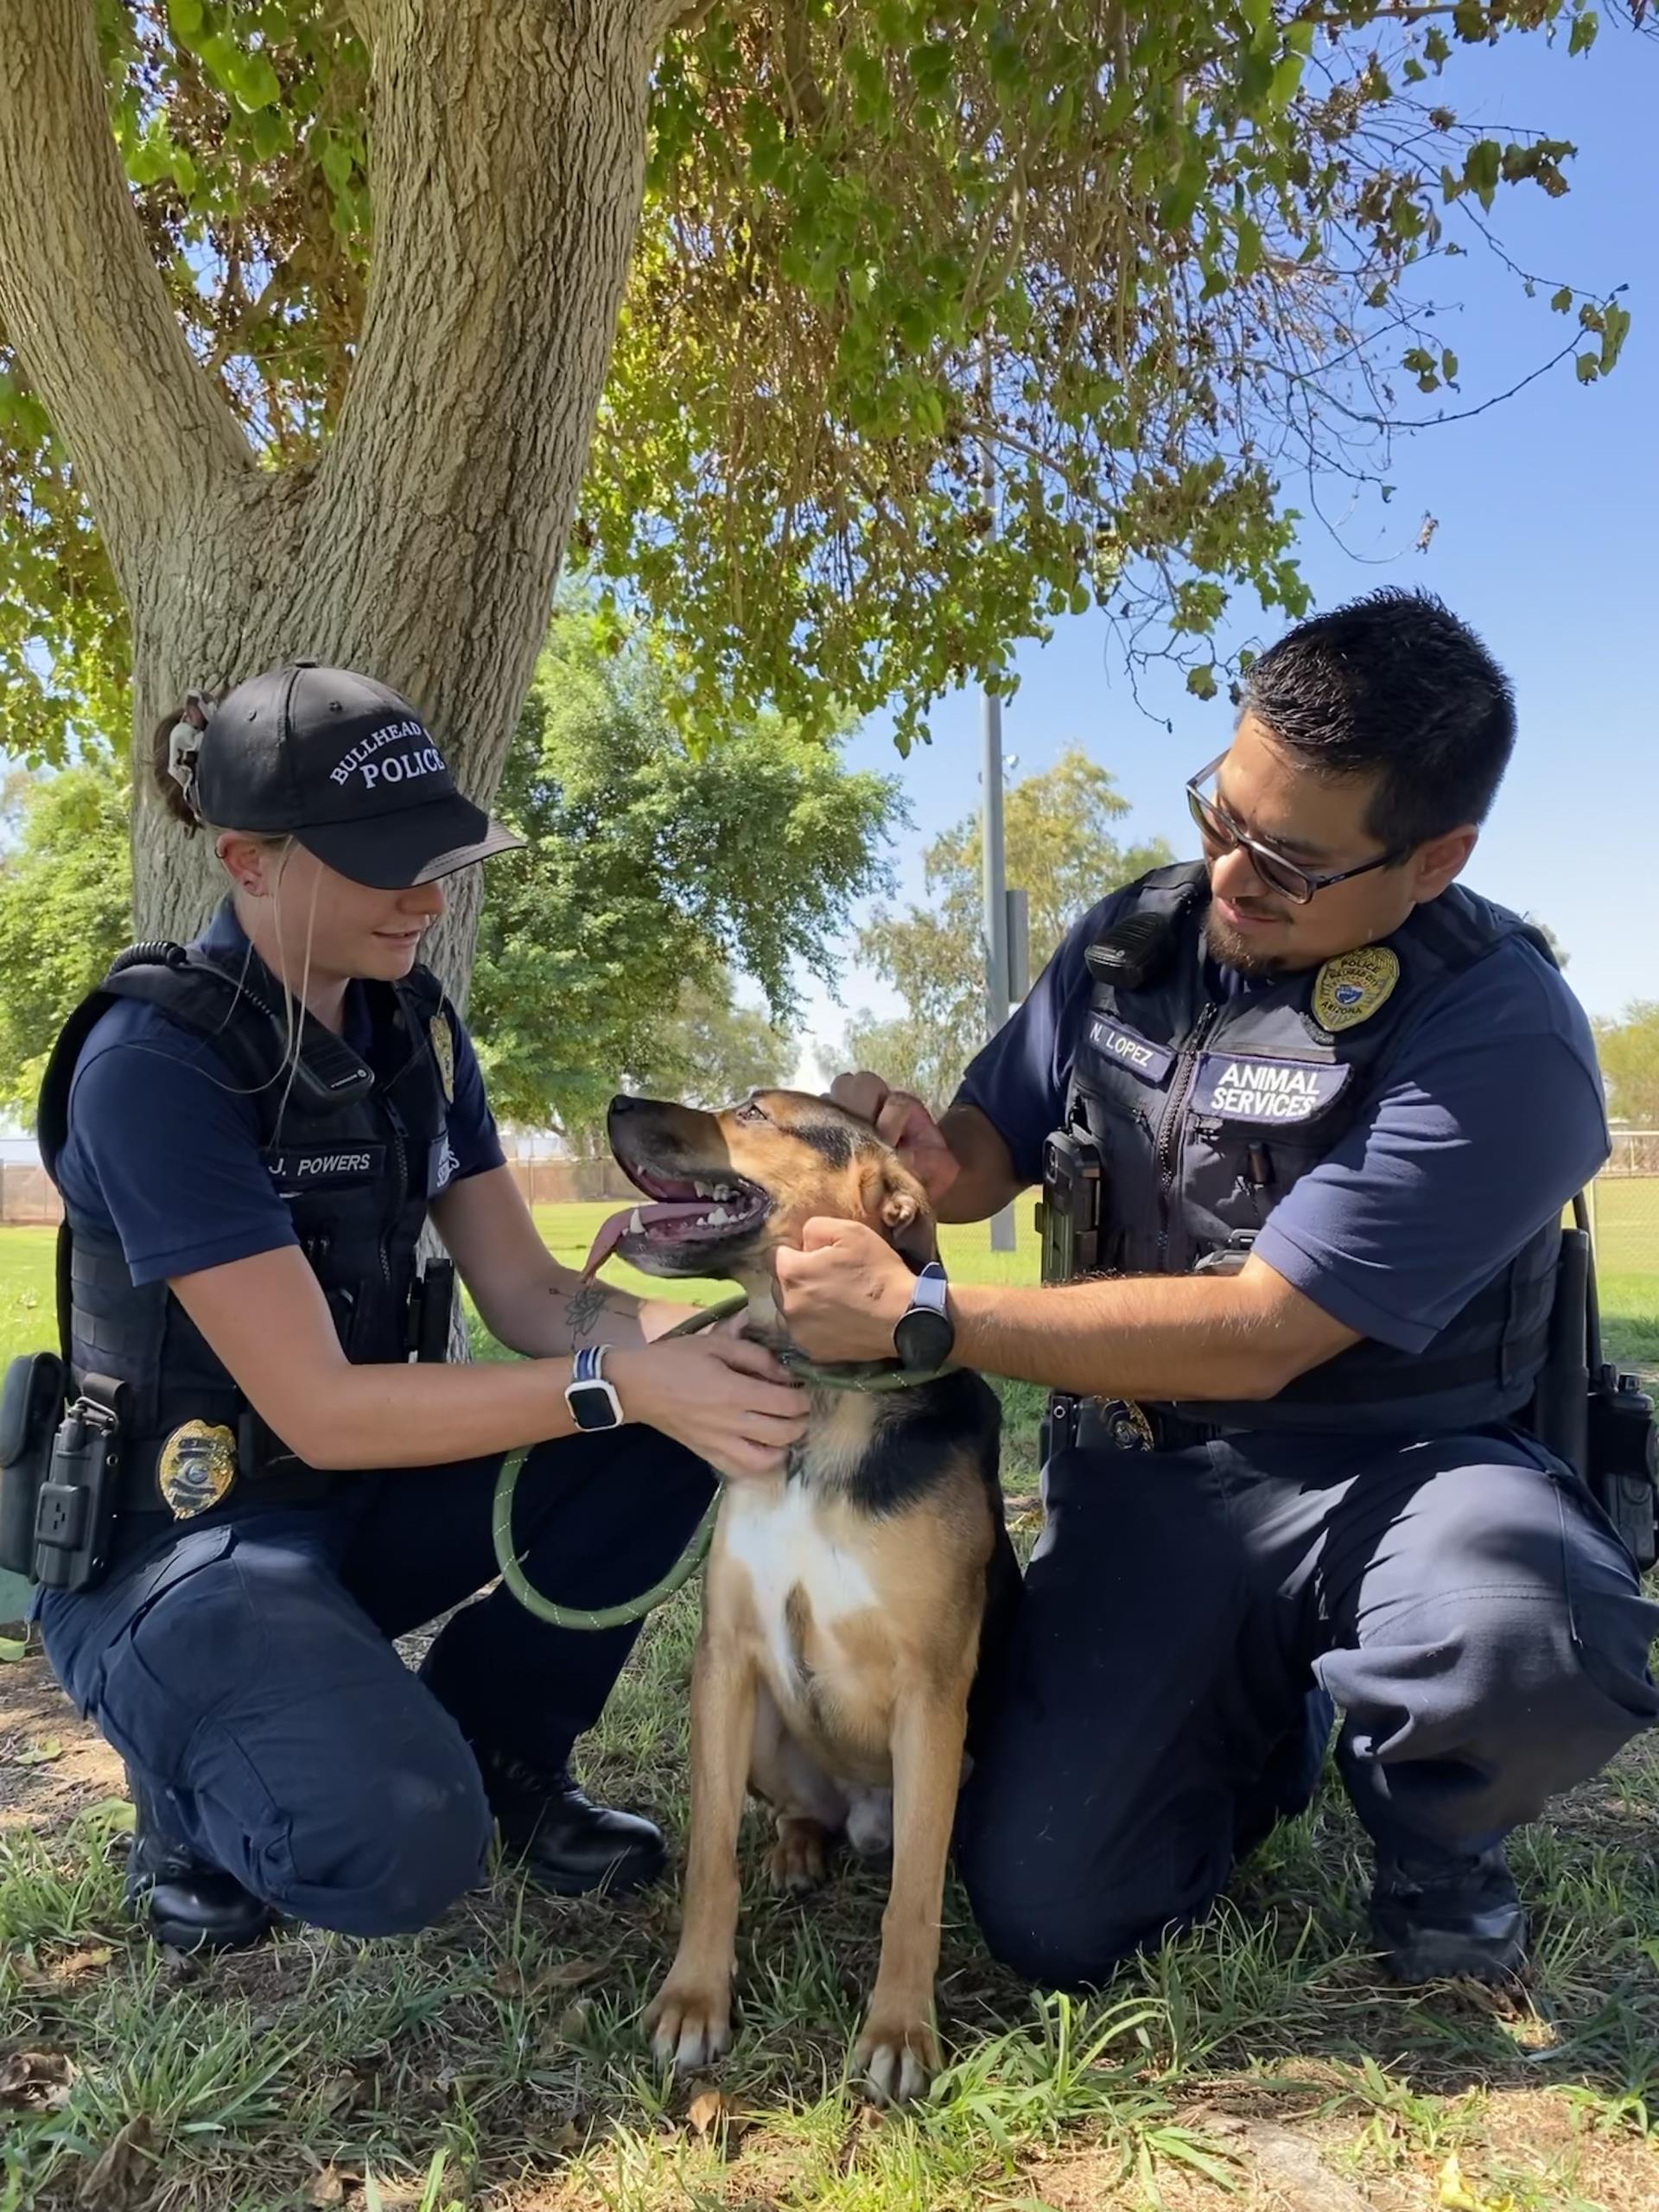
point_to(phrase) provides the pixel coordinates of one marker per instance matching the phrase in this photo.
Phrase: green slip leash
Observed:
(879, 1375)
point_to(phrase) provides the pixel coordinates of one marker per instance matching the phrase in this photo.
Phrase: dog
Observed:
(844, 1598)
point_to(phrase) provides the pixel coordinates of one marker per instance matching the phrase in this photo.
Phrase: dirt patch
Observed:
(41, 1788)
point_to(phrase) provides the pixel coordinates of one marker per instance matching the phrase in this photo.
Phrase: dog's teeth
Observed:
(716, 1214)
(724, 1190)
(634, 1222)
(706, 1190)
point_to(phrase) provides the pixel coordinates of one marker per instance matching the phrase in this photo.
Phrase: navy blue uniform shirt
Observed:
(1492, 1118)
(163, 1149)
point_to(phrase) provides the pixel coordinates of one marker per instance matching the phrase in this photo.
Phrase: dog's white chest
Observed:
(787, 1544)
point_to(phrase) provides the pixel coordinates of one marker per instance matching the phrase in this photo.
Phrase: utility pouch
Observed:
(1068, 1220)
(31, 1407)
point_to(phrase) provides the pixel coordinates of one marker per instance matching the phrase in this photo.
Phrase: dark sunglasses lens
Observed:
(1210, 823)
(1280, 875)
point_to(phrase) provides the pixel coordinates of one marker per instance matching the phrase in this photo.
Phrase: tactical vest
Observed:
(355, 1157)
(1205, 1112)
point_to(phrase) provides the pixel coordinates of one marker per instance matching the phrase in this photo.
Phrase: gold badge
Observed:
(1350, 988)
(443, 1052)
(196, 1468)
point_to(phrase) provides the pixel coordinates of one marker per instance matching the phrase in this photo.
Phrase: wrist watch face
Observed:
(924, 1338)
(591, 1404)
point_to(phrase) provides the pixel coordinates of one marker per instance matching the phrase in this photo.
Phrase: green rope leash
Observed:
(631, 1609)
(876, 1376)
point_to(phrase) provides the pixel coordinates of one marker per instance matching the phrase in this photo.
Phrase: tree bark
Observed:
(508, 156)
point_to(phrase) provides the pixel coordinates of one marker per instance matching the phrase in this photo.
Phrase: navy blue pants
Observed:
(247, 1675)
(1164, 1688)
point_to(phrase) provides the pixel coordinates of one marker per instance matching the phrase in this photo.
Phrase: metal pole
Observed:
(1019, 906)
(994, 920)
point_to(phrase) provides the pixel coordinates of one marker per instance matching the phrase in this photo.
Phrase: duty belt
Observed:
(1122, 1424)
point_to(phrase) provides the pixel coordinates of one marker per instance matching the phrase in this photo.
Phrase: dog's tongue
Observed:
(621, 1225)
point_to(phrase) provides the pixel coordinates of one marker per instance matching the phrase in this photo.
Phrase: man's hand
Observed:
(901, 1120)
(844, 1292)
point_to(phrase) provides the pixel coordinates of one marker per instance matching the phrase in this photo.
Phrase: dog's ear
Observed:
(896, 1205)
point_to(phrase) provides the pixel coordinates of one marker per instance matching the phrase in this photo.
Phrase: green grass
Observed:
(495, 2061)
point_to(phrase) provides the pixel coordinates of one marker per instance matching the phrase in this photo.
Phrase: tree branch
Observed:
(84, 306)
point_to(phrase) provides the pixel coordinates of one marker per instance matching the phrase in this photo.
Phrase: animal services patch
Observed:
(1350, 988)
(1234, 1087)
(196, 1468)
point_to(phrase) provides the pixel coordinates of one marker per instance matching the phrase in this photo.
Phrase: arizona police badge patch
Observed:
(1350, 988)
(196, 1468)
(443, 1052)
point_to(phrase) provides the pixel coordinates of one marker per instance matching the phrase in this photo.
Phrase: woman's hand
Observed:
(719, 1394)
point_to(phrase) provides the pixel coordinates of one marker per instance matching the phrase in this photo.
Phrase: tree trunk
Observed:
(424, 546)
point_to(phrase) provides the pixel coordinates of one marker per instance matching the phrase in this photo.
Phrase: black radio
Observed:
(1068, 1219)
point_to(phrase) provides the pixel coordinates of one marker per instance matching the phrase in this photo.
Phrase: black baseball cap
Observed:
(348, 769)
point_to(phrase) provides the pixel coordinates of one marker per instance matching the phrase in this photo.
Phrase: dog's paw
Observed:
(898, 2058)
(689, 2025)
(799, 1859)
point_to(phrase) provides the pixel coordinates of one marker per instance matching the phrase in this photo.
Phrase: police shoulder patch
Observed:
(1350, 988)
(196, 1468)
(443, 1052)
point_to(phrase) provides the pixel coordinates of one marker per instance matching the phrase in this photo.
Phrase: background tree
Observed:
(1629, 1050)
(708, 1052)
(66, 907)
(609, 944)
(310, 347)
(1061, 847)
(654, 868)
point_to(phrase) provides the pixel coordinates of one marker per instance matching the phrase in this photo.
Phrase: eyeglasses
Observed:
(1221, 835)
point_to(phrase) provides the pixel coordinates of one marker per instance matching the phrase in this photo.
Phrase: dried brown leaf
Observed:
(74, 1966)
(36, 2078)
(706, 2112)
(111, 2178)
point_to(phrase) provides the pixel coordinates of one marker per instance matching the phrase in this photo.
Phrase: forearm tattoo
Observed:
(585, 1307)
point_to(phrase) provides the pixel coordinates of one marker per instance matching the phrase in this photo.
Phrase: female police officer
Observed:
(249, 1139)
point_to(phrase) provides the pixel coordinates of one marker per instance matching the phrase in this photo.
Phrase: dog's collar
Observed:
(855, 1374)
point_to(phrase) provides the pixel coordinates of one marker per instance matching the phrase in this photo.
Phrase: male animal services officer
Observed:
(256, 1489)
(1330, 1105)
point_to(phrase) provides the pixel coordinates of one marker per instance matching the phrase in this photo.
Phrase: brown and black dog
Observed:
(844, 1598)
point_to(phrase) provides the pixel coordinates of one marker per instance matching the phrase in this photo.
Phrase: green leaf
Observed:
(1201, 682)
(1615, 323)
(1449, 365)
(1287, 78)
(1585, 27)
(39, 1754)
(184, 20)
(1588, 366)
(1482, 165)
(1562, 300)
(253, 83)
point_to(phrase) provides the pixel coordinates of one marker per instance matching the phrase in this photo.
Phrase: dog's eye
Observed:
(749, 1111)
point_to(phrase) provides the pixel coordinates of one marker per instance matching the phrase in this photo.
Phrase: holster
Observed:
(75, 1510)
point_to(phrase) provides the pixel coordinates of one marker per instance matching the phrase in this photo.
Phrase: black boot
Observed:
(562, 1840)
(1444, 1919)
(184, 1902)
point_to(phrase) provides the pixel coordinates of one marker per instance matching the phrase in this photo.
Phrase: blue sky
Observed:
(1543, 505)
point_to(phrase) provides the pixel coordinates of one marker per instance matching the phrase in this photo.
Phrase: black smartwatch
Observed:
(924, 1335)
(593, 1401)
